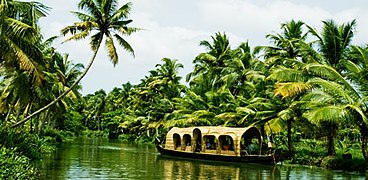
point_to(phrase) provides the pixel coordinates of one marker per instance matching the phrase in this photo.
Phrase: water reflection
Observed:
(103, 159)
(177, 168)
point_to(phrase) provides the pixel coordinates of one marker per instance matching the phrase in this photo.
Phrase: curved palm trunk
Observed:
(66, 92)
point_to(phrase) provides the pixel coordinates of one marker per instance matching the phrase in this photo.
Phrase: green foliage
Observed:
(18, 152)
(339, 163)
(89, 133)
(134, 138)
(13, 165)
(309, 152)
(56, 136)
(29, 145)
(73, 122)
(127, 137)
(312, 152)
(343, 147)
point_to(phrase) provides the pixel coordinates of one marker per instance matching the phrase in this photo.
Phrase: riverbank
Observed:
(348, 156)
(20, 152)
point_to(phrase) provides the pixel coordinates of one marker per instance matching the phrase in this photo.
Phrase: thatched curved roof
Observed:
(216, 131)
(178, 138)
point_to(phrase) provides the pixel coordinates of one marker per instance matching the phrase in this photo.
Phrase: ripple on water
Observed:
(102, 159)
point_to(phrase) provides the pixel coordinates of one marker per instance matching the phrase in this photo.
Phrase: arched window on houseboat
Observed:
(177, 141)
(210, 142)
(197, 136)
(226, 143)
(187, 140)
(251, 142)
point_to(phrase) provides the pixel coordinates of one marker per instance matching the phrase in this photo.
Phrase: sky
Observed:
(173, 29)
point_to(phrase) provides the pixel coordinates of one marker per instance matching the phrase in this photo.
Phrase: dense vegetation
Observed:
(307, 87)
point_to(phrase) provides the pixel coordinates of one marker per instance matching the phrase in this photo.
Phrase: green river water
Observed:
(94, 158)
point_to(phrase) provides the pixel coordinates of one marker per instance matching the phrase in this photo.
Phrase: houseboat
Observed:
(228, 144)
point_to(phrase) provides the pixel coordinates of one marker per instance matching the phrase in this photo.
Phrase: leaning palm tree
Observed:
(105, 20)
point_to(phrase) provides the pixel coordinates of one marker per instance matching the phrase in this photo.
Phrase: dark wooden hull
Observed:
(261, 159)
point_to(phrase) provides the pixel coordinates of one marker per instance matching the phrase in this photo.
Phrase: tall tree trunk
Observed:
(64, 93)
(44, 120)
(290, 145)
(8, 114)
(263, 133)
(98, 123)
(331, 129)
(364, 138)
(36, 124)
(31, 126)
(331, 144)
(18, 113)
(28, 108)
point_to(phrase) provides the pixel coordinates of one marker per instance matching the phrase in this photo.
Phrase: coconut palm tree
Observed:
(357, 71)
(334, 42)
(61, 73)
(210, 63)
(286, 52)
(157, 91)
(19, 36)
(21, 59)
(330, 94)
(105, 20)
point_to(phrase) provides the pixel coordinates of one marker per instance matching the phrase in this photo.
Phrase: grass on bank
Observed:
(19, 152)
(314, 153)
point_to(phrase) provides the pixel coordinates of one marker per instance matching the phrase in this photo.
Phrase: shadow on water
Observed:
(93, 158)
(178, 168)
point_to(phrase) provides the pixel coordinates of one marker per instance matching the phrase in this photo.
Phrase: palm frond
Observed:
(330, 113)
(111, 50)
(290, 89)
(124, 44)
(282, 74)
(122, 12)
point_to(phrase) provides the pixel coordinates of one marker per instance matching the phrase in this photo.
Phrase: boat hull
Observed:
(262, 159)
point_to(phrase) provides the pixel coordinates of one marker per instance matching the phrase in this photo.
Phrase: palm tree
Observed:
(21, 59)
(19, 36)
(357, 68)
(334, 42)
(210, 63)
(157, 91)
(286, 53)
(330, 95)
(61, 74)
(104, 19)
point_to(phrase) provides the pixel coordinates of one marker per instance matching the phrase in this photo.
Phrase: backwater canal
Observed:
(97, 158)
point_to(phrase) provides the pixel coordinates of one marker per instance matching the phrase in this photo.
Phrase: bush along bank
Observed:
(19, 152)
(348, 156)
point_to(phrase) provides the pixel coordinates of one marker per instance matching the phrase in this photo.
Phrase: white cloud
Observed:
(174, 29)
